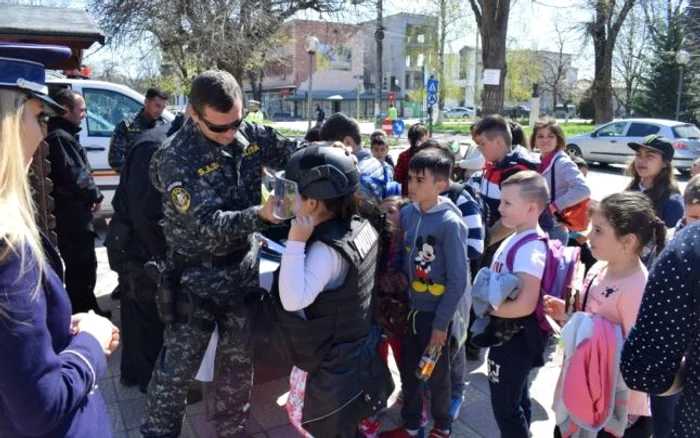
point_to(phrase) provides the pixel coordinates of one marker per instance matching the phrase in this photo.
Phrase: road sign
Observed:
(398, 127)
(432, 99)
(432, 86)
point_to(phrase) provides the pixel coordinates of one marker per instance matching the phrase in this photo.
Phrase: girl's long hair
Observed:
(18, 230)
(664, 182)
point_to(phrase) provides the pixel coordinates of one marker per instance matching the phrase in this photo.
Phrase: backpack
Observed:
(562, 273)
(455, 191)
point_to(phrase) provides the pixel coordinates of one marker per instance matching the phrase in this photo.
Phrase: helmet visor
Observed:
(286, 197)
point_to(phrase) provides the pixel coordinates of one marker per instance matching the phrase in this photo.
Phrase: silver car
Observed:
(608, 143)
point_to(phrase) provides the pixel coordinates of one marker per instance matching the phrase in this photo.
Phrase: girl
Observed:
(652, 174)
(417, 134)
(623, 224)
(325, 283)
(566, 183)
(51, 361)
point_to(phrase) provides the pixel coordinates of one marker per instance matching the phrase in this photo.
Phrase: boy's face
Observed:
(492, 150)
(692, 213)
(380, 151)
(515, 210)
(423, 187)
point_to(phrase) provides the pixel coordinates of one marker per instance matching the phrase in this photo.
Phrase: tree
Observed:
(225, 34)
(666, 30)
(603, 29)
(492, 20)
(556, 68)
(629, 63)
(524, 70)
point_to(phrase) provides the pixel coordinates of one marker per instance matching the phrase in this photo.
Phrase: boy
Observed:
(503, 160)
(417, 134)
(691, 199)
(434, 257)
(380, 151)
(523, 198)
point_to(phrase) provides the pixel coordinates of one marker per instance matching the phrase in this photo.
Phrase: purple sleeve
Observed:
(40, 387)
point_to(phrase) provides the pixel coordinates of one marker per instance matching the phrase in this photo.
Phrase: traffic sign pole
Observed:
(431, 87)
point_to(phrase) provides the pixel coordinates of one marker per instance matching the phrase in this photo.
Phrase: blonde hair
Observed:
(18, 229)
(533, 187)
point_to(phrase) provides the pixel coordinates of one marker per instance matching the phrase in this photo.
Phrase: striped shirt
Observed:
(471, 216)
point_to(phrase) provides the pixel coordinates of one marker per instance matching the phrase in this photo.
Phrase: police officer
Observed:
(76, 198)
(135, 238)
(254, 115)
(209, 174)
(130, 127)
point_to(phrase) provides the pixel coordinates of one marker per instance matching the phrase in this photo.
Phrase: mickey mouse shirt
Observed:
(434, 258)
(618, 301)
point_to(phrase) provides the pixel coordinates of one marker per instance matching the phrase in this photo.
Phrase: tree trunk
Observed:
(379, 37)
(441, 61)
(494, 30)
(602, 85)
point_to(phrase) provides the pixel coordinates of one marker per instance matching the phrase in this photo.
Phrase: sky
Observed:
(532, 25)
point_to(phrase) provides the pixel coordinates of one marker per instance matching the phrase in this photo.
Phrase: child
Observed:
(691, 199)
(434, 253)
(523, 198)
(623, 224)
(379, 133)
(502, 160)
(329, 249)
(380, 151)
(417, 134)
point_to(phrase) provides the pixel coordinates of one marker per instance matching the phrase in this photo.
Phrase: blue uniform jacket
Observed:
(47, 377)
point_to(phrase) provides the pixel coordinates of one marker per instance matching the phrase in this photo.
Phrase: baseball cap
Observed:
(656, 143)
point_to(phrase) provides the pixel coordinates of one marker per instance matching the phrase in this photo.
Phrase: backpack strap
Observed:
(510, 257)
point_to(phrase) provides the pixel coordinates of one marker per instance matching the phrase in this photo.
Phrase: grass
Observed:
(570, 129)
(365, 138)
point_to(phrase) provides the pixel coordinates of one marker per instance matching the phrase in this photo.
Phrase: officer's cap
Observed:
(254, 102)
(22, 67)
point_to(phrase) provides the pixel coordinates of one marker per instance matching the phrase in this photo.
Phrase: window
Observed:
(612, 130)
(690, 132)
(420, 39)
(408, 60)
(421, 60)
(642, 130)
(105, 109)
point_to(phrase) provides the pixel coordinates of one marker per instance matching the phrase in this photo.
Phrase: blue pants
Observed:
(509, 368)
(663, 414)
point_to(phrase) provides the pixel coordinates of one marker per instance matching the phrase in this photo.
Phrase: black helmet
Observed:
(323, 172)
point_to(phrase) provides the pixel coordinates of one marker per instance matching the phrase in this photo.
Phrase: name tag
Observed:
(209, 168)
(252, 149)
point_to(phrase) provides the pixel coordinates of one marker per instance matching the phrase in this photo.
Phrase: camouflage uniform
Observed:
(210, 194)
(124, 136)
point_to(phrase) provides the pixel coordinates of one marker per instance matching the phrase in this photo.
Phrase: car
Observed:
(107, 104)
(607, 144)
(516, 112)
(459, 112)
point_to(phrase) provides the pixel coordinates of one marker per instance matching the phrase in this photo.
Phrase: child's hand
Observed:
(437, 340)
(554, 307)
(302, 227)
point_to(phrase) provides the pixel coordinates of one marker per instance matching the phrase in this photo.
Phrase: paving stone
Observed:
(115, 415)
(107, 390)
(132, 412)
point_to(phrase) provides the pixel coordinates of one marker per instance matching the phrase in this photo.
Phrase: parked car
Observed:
(607, 144)
(517, 111)
(107, 104)
(459, 112)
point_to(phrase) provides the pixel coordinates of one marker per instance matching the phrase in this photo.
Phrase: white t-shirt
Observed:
(305, 275)
(529, 259)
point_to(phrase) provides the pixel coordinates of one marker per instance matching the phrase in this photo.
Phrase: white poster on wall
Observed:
(492, 76)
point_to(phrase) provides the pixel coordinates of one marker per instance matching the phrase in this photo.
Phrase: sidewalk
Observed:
(268, 416)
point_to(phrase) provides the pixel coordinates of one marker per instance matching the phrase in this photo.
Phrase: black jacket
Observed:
(74, 188)
(137, 204)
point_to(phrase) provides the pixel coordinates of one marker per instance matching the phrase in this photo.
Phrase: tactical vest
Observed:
(335, 332)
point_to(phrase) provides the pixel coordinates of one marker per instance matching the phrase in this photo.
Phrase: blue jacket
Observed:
(47, 377)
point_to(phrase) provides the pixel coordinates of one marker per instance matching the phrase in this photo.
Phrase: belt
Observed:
(209, 261)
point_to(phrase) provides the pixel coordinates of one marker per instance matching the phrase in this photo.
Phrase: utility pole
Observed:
(476, 71)
(379, 37)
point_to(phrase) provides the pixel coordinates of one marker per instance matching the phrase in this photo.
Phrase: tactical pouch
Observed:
(166, 298)
(118, 236)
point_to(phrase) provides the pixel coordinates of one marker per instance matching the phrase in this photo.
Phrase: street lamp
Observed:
(682, 58)
(310, 46)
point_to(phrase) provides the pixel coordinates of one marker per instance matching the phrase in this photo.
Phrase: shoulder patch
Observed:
(181, 199)
(252, 149)
(208, 168)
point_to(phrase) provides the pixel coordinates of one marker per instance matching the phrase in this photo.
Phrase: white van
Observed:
(107, 104)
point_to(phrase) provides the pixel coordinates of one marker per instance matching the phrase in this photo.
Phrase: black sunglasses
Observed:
(220, 129)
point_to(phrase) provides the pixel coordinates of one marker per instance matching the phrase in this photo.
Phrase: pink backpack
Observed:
(560, 278)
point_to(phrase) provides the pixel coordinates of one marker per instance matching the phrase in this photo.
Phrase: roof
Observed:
(40, 21)
(662, 122)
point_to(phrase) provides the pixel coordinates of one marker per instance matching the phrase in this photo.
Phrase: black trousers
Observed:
(77, 247)
(141, 330)
(413, 345)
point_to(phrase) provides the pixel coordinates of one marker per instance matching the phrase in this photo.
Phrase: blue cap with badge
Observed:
(22, 67)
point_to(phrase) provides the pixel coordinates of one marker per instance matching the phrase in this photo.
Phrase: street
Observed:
(268, 416)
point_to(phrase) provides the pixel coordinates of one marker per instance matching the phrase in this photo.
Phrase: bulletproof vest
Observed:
(344, 314)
